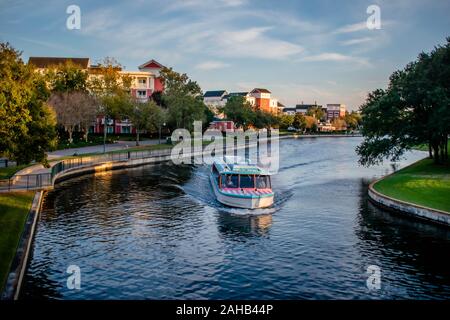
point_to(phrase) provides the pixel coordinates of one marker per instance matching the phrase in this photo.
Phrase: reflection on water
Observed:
(157, 232)
(248, 225)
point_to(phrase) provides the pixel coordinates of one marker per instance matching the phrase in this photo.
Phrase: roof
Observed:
(242, 94)
(45, 62)
(288, 109)
(217, 93)
(235, 165)
(151, 64)
(306, 106)
(280, 105)
(260, 90)
(236, 94)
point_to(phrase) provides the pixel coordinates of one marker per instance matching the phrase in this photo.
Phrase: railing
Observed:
(45, 180)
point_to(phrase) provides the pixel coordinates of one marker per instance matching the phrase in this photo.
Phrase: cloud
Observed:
(360, 26)
(211, 65)
(337, 57)
(356, 41)
(254, 43)
(352, 28)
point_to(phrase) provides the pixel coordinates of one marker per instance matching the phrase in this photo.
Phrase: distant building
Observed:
(302, 108)
(289, 110)
(335, 111)
(222, 125)
(257, 98)
(144, 83)
(264, 100)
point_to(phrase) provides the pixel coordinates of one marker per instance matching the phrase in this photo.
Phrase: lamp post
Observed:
(159, 139)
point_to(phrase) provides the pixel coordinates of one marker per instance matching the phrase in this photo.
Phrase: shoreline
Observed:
(414, 210)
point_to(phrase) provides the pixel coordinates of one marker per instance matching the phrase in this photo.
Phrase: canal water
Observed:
(157, 232)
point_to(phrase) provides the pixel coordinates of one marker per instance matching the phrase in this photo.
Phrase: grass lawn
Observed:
(14, 209)
(422, 183)
(8, 172)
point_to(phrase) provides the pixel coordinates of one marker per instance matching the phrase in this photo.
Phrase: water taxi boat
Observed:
(241, 184)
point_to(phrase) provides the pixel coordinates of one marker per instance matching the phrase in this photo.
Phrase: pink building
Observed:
(144, 83)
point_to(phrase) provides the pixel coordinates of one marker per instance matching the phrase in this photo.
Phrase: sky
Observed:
(302, 51)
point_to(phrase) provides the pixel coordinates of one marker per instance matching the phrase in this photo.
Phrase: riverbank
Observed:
(423, 183)
(421, 189)
(14, 208)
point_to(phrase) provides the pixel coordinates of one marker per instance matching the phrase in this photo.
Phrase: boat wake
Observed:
(200, 190)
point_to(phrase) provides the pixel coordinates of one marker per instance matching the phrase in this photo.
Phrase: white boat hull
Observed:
(241, 202)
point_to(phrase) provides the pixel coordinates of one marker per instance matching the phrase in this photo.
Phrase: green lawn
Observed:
(8, 172)
(422, 183)
(14, 209)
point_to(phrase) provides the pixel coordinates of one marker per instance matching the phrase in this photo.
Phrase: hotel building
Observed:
(144, 83)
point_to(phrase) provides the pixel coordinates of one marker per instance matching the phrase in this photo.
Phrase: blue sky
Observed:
(300, 50)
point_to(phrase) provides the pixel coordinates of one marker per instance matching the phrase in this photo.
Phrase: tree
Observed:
(311, 124)
(183, 98)
(286, 121)
(88, 109)
(144, 116)
(316, 112)
(339, 124)
(299, 122)
(352, 120)
(27, 127)
(66, 108)
(414, 109)
(110, 89)
(240, 111)
(67, 77)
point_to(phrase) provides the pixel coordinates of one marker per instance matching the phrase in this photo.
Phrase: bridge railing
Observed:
(44, 180)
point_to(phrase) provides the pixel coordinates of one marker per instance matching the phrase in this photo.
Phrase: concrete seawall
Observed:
(18, 267)
(411, 209)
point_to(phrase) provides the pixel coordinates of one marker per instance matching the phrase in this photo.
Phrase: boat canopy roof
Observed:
(232, 165)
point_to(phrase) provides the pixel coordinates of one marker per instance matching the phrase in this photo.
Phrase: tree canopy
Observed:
(413, 110)
(183, 99)
(26, 122)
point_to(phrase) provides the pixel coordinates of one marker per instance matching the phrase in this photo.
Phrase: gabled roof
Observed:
(212, 94)
(151, 64)
(234, 94)
(260, 90)
(280, 105)
(45, 62)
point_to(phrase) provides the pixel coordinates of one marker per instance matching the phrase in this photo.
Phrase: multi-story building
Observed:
(264, 100)
(302, 108)
(335, 111)
(257, 98)
(144, 83)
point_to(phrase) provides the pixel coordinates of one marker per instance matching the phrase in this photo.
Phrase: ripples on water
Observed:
(157, 232)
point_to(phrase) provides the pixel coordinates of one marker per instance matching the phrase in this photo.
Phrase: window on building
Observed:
(142, 81)
(126, 129)
(142, 93)
(110, 130)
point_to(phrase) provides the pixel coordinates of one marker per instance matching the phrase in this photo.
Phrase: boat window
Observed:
(215, 172)
(262, 182)
(229, 181)
(246, 181)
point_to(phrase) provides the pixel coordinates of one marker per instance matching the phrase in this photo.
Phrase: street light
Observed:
(159, 139)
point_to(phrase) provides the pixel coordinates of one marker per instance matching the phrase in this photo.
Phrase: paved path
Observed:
(120, 145)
